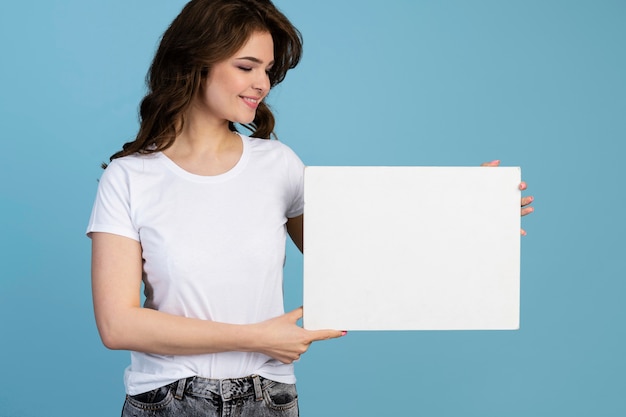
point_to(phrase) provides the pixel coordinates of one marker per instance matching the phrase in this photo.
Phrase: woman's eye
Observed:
(245, 69)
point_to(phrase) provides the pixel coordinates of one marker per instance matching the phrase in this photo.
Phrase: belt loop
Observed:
(258, 392)
(180, 388)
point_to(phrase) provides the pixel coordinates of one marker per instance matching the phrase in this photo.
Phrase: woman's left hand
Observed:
(525, 201)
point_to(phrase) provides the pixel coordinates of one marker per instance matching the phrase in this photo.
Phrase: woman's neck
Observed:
(205, 149)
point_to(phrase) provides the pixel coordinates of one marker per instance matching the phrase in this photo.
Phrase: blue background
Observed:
(537, 84)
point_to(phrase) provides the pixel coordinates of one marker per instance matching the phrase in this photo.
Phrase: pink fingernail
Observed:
(343, 333)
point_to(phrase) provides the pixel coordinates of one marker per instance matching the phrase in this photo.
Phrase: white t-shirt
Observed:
(213, 249)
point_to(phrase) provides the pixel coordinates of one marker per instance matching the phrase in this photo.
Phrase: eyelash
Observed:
(248, 69)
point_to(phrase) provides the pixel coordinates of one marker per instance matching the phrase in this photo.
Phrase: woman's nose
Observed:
(262, 82)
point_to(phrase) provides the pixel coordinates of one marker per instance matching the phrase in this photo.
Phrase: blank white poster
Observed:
(412, 248)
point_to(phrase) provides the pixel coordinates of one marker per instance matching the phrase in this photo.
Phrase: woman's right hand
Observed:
(282, 338)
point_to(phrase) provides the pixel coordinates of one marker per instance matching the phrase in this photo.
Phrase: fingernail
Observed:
(343, 333)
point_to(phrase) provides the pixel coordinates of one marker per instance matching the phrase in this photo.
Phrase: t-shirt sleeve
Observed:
(111, 211)
(295, 169)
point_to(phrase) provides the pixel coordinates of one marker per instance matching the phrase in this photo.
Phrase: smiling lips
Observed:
(251, 102)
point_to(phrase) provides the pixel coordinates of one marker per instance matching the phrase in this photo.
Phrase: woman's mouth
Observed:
(251, 102)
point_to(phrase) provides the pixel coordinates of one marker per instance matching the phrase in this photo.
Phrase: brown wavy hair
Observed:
(204, 33)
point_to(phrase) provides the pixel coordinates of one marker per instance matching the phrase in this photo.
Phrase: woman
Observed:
(200, 213)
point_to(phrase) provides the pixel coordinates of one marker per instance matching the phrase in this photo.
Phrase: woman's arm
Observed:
(295, 230)
(124, 324)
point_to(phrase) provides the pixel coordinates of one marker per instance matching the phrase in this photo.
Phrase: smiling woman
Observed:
(200, 213)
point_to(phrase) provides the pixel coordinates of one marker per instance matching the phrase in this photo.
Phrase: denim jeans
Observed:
(201, 397)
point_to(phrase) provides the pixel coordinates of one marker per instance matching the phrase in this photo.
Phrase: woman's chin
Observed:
(244, 120)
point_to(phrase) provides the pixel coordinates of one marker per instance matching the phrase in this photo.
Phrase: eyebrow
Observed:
(255, 60)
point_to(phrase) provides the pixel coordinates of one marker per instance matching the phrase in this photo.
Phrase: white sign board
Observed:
(411, 248)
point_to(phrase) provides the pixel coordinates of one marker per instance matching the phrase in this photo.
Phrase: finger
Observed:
(295, 315)
(527, 200)
(326, 334)
(523, 186)
(527, 210)
(493, 163)
(522, 232)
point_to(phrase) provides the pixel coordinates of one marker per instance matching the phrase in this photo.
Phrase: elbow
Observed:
(111, 342)
(111, 336)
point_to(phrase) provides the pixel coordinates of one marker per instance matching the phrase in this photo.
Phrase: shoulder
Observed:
(270, 146)
(263, 144)
(135, 163)
(124, 169)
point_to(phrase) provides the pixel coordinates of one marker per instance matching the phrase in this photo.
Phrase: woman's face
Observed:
(235, 87)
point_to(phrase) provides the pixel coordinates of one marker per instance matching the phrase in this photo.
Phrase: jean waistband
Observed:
(227, 389)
